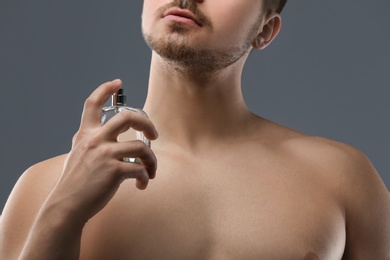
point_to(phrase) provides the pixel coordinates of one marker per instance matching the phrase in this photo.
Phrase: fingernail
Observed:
(116, 81)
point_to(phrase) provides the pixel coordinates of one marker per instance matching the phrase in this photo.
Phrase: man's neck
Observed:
(192, 110)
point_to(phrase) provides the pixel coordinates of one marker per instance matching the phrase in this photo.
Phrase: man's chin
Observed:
(178, 28)
(179, 53)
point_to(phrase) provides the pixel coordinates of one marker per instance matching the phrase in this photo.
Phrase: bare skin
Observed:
(228, 184)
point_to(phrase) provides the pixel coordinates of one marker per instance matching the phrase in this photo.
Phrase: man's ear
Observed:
(268, 33)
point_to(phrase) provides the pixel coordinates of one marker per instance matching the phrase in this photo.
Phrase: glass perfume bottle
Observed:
(118, 103)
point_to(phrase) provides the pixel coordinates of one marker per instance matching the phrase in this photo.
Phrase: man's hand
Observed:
(94, 168)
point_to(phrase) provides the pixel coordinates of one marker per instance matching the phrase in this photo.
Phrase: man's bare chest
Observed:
(226, 213)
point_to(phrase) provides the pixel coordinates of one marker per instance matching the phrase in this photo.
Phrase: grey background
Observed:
(327, 74)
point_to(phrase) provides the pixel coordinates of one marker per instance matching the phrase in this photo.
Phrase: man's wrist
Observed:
(61, 214)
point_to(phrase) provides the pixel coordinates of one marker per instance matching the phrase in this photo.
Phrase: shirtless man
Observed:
(228, 185)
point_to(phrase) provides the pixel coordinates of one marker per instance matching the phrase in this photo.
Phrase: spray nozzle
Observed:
(119, 98)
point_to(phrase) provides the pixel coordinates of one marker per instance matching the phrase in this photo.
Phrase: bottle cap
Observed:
(119, 98)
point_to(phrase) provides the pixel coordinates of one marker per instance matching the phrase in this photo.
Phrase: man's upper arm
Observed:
(367, 211)
(23, 204)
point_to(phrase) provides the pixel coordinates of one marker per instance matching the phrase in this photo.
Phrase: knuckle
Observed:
(92, 143)
(118, 169)
(77, 137)
(126, 115)
(90, 102)
(113, 165)
(129, 170)
(140, 147)
(135, 168)
(106, 150)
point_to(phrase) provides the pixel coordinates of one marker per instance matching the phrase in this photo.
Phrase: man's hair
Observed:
(274, 6)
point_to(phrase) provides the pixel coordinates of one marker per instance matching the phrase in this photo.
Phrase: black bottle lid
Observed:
(119, 98)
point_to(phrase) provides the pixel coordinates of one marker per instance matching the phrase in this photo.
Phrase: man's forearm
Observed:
(52, 236)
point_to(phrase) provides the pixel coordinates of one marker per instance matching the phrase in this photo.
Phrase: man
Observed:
(229, 184)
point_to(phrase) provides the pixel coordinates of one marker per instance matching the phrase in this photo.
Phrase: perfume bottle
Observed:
(118, 103)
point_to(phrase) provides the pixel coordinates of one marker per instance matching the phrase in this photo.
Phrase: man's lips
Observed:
(181, 15)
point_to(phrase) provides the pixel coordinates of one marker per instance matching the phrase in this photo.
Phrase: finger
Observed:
(137, 149)
(136, 171)
(92, 112)
(141, 185)
(128, 119)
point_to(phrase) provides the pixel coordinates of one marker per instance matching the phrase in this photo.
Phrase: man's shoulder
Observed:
(39, 179)
(35, 184)
(338, 160)
(330, 154)
(349, 169)
(25, 200)
(42, 174)
(318, 150)
(323, 149)
(49, 166)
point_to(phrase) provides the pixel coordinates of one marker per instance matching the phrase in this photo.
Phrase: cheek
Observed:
(234, 20)
(149, 11)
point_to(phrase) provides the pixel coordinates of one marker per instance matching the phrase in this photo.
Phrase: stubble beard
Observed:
(176, 49)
